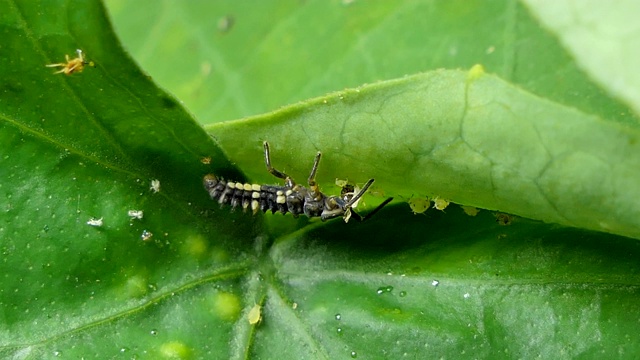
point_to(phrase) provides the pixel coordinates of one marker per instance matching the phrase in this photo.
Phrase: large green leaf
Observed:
(87, 146)
(439, 284)
(466, 137)
(603, 38)
(229, 59)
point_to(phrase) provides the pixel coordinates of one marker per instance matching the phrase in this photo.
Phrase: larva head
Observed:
(210, 181)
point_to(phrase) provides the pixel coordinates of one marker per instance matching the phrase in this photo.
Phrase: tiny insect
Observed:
(419, 205)
(95, 222)
(440, 204)
(255, 315)
(146, 235)
(155, 186)
(291, 197)
(72, 65)
(135, 214)
(503, 219)
(225, 23)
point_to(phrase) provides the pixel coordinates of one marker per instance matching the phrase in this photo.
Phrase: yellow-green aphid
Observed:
(440, 204)
(255, 314)
(470, 210)
(419, 204)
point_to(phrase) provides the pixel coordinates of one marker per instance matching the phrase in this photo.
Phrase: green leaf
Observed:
(83, 149)
(602, 38)
(468, 138)
(435, 284)
(227, 60)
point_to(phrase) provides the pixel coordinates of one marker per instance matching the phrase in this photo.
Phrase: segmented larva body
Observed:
(256, 197)
(291, 197)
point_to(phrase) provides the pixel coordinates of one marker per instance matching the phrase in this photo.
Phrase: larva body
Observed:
(291, 197)
(255, 197)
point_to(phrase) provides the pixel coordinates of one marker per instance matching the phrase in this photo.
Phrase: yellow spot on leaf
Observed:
(196, 246)
(226, 306)
(175, 350)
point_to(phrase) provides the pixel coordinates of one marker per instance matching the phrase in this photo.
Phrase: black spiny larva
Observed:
(291, 197)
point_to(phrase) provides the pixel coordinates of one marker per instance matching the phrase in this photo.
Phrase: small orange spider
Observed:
(72, 65)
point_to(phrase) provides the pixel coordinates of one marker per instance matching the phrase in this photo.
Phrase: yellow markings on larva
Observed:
(279, 193)
(175, 350)
(280, 199)
(226, 306)
(289, 192)
(247, 187)
(470, 210)
(255, 205)
(231, 184)
(255, 314)
(475, 72)
(255, 187)
(239, 186)
(255, 195)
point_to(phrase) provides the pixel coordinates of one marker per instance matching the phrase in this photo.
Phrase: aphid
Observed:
(72, 65)
(291, 197)
(419, 204)
(348, 190)
(206, 160)
(255, 315)
(440, 204)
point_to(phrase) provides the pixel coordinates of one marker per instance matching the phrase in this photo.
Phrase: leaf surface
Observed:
(226, 60)
(435, 284)
(466, 137)
(602, 37)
